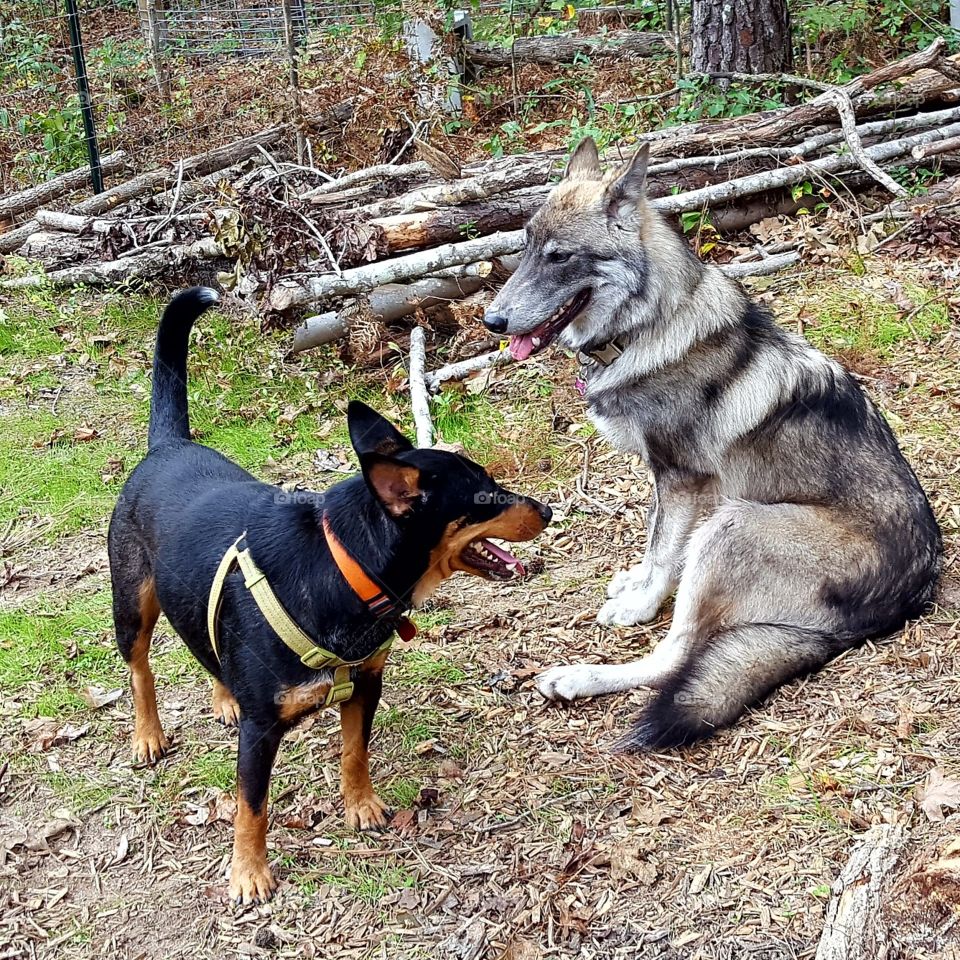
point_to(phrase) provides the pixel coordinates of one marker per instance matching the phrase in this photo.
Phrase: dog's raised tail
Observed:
(739, 666)
(169, 419)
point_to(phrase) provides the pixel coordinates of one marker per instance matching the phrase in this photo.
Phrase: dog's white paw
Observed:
(630, 607)
(569, 683)
(624, 580)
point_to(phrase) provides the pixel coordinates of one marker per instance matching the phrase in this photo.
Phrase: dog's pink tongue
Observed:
(521, 347)
(503, 555)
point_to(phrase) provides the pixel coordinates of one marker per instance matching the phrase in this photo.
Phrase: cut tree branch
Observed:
(419, 398)
(289, 294)
(14, 204)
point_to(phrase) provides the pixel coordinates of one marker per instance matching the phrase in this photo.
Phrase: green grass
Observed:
(415, 667)
(45, 473)
(412, 726)
(400, 793)
(79, 793)
(217, 767)
(850, 317)
(57, 647)
(364, 879)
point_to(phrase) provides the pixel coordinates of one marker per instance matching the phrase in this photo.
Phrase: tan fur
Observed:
(518, 522)
(149, 741)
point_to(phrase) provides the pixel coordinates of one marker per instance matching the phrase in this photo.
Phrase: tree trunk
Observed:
(741, 36)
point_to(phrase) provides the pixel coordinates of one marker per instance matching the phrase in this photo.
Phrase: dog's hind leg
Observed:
(226, 710)
(751, 614)
(135, 614)
(760, 568)
(636, 595)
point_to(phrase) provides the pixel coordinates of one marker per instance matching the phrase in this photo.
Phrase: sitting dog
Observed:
(784, 516)
(290, 601)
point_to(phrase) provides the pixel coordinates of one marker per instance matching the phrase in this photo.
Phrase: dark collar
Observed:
(606, 354)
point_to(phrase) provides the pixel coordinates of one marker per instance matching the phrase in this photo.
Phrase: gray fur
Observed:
(785, 517)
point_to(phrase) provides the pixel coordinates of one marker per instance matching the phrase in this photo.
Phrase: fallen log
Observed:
(15, 204)
(395, 301)
(56, 246)
(412, 231)
(775, 127)
(419, 398)
(139, 266)
(787, 176)
(382, 171)
(621, 45)
(208, 162)
(457, 192)
(58, 220)
(860, 896)
(14, 239)
(290, 293)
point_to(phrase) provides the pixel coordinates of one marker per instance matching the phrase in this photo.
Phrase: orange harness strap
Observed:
(377, 601)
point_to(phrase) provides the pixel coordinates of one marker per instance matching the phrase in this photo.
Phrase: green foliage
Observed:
(702, 98)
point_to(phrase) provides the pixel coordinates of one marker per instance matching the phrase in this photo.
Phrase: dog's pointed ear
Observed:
(627, 186)
(584, 162)
(371, 433)
(394, 483)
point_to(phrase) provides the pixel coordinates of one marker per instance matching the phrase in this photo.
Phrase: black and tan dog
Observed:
(289, 600)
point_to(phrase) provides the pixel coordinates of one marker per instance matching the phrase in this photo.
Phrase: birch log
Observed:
(395, 301)
(419, 398)
(289, 294)
(150, 263)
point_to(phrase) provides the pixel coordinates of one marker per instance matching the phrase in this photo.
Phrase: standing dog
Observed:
(784, 516)
(290, 601)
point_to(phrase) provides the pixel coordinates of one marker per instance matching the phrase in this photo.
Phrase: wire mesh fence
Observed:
(167, 79)
(221, 72)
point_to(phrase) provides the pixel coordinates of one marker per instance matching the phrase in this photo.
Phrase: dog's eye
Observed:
(559, 256)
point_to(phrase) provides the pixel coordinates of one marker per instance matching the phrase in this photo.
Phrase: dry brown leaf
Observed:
(625, 864)
(97, 698)
(522, 950)
(450, 770)
(938, 792)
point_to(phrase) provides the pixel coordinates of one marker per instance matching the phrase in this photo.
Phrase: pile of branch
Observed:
(385, 242)
(570, 48)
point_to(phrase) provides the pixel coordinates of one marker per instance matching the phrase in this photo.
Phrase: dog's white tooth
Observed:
(536, 341)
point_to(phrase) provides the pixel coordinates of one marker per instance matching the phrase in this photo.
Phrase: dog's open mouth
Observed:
(527, 344)
(491, 561)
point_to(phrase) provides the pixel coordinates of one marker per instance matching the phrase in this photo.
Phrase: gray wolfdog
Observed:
(784, 516)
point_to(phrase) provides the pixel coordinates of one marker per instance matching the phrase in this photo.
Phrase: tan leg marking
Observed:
(149, 742)
(226, 710)
(251, 880)
(363, 809)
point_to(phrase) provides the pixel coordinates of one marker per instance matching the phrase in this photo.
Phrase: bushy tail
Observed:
(737, 668)
(168, 406)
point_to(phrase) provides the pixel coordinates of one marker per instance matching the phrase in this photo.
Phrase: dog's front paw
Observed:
(624, 580)
(365, 812)
(569, 683)
(629, 608)
(149, 745)
(251, 881)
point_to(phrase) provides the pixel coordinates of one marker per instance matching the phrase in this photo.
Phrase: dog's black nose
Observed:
(545, 512)
(495, 322)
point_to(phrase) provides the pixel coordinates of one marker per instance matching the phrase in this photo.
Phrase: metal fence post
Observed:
(86, 106)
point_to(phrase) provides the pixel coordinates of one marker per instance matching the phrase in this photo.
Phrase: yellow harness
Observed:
(285, 627)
